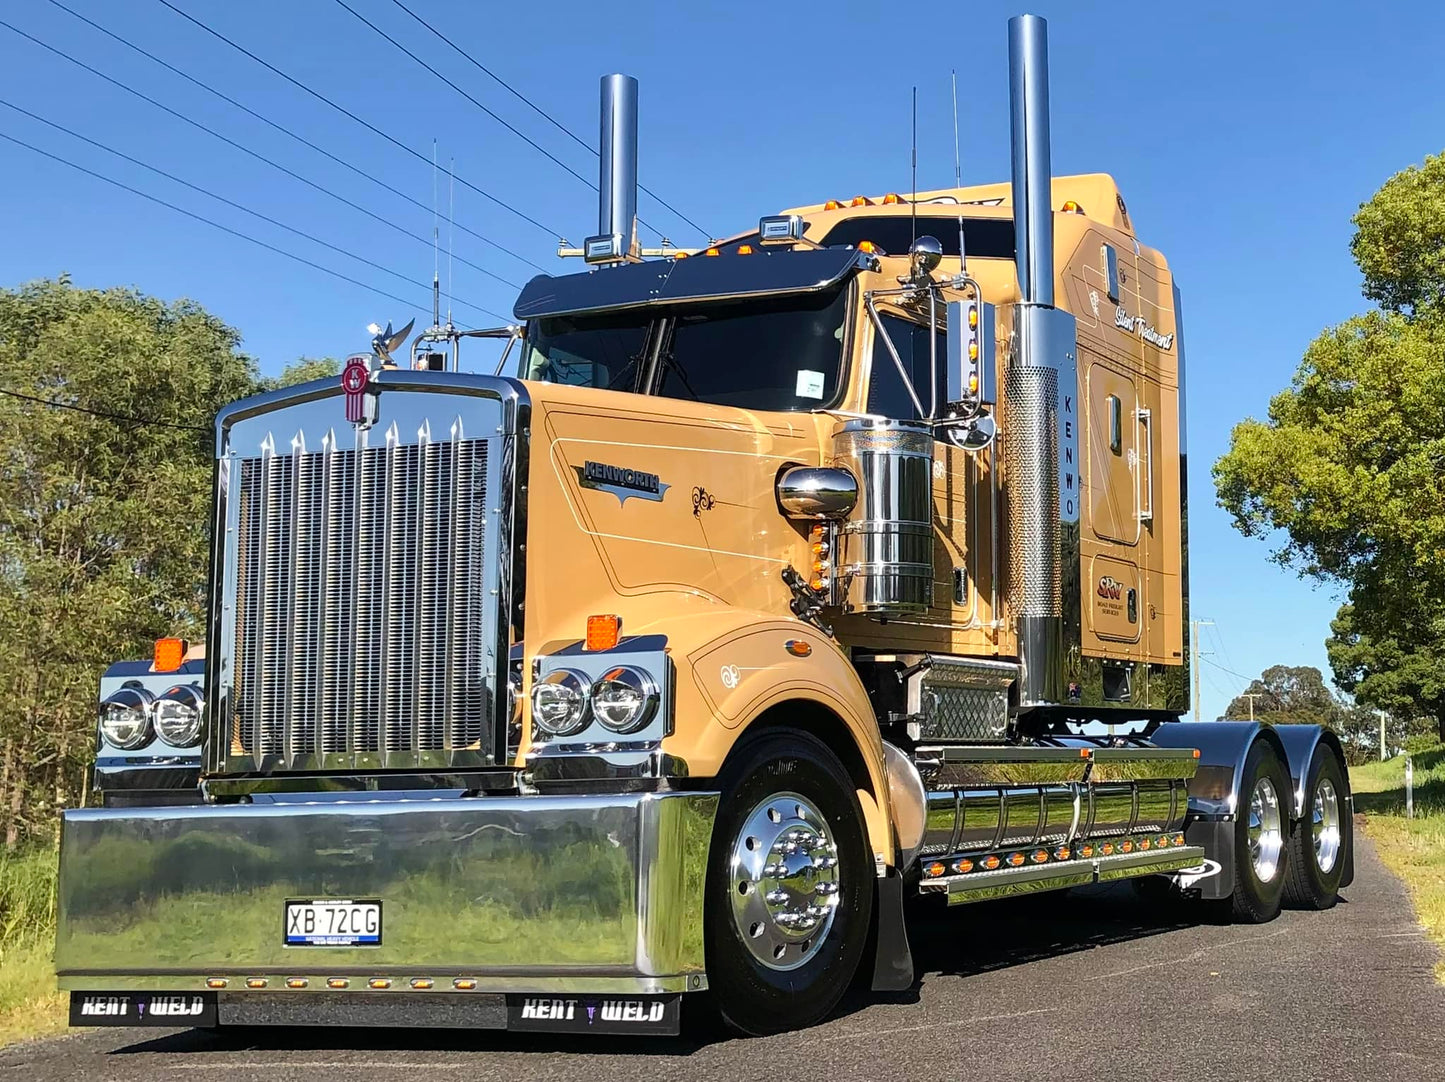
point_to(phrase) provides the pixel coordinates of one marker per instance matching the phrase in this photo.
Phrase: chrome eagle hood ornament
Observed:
(383, 342)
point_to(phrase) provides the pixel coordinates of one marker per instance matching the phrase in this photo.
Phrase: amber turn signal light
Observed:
(603, 632)
(169, 655)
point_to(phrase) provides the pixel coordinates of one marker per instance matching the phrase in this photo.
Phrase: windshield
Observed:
(763, 353)
(587, 351)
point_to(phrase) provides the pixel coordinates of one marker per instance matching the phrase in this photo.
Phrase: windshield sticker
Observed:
(810, 384)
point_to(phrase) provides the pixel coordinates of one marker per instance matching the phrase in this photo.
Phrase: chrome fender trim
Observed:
(1214, 791)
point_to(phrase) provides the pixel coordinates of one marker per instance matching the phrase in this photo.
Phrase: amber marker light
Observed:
(337, 982)
(1040, 855)
(1179, 839)
(1145, 843)
(1061, 853)
(464, 984)
(215, 982)
(798, 648)
(602, 632)
(1086, 850)
(169, 654)
(1107, 849)
(421, 984)
(255, 982)
(1015, 859)
(869, 247)
(1126, 847)
(710, 251)
(1070, 207)
(745, 249)
(832, 204)
(379, 982)
(295, 982)
(934, 870)
(989, 863)
(892, 199)
(963, 867)
(679, 255)
(861, 201)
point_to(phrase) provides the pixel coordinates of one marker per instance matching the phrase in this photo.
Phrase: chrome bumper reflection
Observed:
(515, 893)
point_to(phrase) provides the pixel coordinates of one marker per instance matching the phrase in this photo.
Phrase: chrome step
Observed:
(978, 886)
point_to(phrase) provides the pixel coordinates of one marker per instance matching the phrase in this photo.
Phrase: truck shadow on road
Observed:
(947, 944)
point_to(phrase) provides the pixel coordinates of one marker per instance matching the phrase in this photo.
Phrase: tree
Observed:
(1288, 695)
(1348, 469)
(103, 519)
(305, 369)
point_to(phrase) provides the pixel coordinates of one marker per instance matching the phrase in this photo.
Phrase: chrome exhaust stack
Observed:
(617, 177)
(1041, 395)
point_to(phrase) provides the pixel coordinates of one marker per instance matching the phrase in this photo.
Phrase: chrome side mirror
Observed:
(817, 492)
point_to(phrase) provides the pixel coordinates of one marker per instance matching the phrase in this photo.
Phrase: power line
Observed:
(1247, 679)
(294, 135)
(222, 199)
(238, 146)
(539, 110)
(348, 113)
(128, 418)
(215, 224)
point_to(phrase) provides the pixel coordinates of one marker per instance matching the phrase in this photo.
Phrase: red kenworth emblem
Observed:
(354, 378)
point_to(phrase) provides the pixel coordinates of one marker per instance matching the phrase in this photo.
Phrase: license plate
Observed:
(333, 922)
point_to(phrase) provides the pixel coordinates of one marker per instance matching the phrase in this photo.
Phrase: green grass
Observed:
(30, 1006)
(1414, 849)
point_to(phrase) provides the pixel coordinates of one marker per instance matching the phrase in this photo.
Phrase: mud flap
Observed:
(892, 960)
(1216, 836)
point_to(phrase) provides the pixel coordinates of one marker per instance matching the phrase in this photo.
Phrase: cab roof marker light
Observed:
(832, 204)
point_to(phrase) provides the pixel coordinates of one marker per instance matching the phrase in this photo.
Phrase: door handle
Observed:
(1146, 420)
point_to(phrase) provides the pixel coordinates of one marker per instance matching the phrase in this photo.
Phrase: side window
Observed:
(1116, 424)
(887, 394)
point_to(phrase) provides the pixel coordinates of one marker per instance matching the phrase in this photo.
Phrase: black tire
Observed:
(1257, 898)
(754, 998)
(1308, 885)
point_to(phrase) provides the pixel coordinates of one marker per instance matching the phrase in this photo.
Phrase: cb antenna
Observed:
(451, 231)
(436, 302)
(913, 160)
(958, 179)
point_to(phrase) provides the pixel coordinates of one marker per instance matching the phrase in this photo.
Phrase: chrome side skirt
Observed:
(982, 886)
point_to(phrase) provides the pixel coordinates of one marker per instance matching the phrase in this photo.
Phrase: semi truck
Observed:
(774, 589)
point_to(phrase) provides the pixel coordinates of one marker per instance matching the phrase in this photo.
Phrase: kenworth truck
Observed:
(781, 583)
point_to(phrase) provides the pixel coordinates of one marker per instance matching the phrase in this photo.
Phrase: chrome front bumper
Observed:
(597, 894)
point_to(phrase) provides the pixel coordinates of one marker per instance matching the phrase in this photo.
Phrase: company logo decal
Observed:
(1111, 588)
(142, 1009)
(355, 378)
(597, 1014)
(1143, 328)
(622, 483)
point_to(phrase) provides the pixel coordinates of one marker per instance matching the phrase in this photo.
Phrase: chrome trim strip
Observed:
(580, 983)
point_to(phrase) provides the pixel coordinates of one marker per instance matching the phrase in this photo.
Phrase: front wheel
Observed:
(1321, 843)
(790, 889)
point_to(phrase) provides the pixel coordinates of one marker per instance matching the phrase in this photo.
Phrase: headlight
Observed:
(178, 715)
(624, 699)
(559, 702)
(125, 718)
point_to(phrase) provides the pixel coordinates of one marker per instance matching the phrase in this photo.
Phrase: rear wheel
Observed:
(790, 889)
(1260, 836)
(1320, 845)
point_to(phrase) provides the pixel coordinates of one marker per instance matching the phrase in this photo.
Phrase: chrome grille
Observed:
(361, 609)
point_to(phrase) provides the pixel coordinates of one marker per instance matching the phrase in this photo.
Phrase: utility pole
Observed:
(1382, 736)
(1251, 696)
(1195, 625)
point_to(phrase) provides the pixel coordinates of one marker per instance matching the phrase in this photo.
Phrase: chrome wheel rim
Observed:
(784, 881)
(1266, 836)
(1326, 825)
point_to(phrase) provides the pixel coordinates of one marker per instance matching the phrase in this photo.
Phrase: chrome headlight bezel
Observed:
(129, 700)
(184, 702)
(624, 680)
(568, 688)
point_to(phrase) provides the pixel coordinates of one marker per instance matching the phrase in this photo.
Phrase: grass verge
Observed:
(1414, 849)
(29, 1004)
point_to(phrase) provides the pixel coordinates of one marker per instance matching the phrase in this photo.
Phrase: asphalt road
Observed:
(1087, 985)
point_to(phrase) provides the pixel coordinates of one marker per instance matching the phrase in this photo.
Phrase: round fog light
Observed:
(624, 699)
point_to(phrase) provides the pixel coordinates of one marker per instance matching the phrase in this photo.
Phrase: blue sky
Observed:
(1243, 135)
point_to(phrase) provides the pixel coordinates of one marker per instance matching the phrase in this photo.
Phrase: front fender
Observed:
(735, 666)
